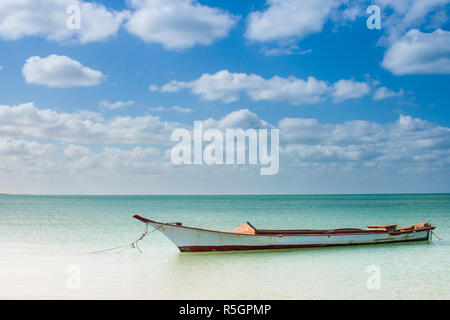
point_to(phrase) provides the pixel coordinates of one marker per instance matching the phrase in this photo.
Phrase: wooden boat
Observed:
(248, 237)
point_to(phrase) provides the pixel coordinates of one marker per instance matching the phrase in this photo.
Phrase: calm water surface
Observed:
(46, 240)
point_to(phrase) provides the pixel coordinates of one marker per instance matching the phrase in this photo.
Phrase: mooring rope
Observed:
(434, 234)
(133, 244)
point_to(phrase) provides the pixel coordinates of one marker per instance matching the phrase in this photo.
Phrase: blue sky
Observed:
(378, 99)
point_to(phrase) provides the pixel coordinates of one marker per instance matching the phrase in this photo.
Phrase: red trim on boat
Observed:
(136, 216)
(289, 246)
(317, 232)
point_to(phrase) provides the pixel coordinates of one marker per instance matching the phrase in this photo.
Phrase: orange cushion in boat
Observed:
(245, 229)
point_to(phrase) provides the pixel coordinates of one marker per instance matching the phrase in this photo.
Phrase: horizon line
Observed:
(241, 194)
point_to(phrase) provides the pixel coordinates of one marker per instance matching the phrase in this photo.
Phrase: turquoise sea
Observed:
(46, 244)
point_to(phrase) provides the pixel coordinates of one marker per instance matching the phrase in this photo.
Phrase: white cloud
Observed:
(138, 160)
(175, 86)
(285, 19)
(281, 51)
(321, 153)
(349, 89)
(311, 151)
(178, 24)
(174, 108)
(311, 132)
(228, 87)
(403, 15)
(22, 148)
(23, 158)
(181, 109)
(406, 141)
(59, 72)
(153, 88)
(290, 20)
(409, 51)
(157, 109)
(115, 105)
(89, 115)
(384, 92)
(26, 120)
(240, 119)
(48, 18)
(75, 151)
(31, 160)
(419, 53)
(1, 67)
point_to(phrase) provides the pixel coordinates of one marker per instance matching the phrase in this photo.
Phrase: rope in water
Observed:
(434, 234)
(133, 244)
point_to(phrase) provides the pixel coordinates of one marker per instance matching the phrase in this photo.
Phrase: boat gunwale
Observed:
(289, 232)
(231, 248)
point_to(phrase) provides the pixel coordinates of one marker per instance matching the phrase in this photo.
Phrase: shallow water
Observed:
(45, 245)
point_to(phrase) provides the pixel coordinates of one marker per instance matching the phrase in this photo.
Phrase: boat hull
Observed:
(189, 239)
